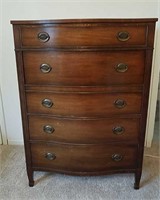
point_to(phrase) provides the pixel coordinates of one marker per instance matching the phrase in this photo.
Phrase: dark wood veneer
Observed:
(62, 36)
(84, 85)
(74, 68)
(89, 131)
(81, 158)
(83, 104)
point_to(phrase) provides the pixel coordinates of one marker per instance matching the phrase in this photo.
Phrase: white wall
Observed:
(154, 86)
(35, 9)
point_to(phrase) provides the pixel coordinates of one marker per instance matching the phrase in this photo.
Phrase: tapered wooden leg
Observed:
(137, 179)
(31, 183)
(30, 177)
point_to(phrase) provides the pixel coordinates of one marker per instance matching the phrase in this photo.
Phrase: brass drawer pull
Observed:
(119, 103)
(45, 68)
(50, 156)
(118, 130)
(47, 103)
(43, 36)
(117, 157)
(123, 36)
(121, 67)
(48, 129)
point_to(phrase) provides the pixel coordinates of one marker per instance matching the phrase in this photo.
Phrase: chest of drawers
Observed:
(84, 87)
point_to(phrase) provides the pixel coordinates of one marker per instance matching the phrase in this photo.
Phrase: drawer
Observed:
(83, 131)
(83, 104)
(83, 36)
(84, 68)
(83, 158)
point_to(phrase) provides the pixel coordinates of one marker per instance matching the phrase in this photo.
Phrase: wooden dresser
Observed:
(84, 87)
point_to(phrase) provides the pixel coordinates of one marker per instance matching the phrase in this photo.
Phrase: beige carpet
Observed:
(14, 182)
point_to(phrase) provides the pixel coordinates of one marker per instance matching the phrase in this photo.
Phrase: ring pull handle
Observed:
(50, 156)
(47, 103)
(43, 36)
(119, 103)
(118, 130)
(117, 157)
(48, 129)
(123, 36)
(45, 68)
(121, 67)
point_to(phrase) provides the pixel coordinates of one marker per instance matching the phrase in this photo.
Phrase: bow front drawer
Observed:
(98, 130)
(83, 158)
(83, 35)
(83, 104)
(84, 68)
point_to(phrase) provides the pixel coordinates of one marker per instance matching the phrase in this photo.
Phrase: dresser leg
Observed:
(30, 177)
(137, 179)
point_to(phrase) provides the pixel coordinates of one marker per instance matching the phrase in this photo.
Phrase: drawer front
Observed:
(68, 36)
(83, 104)
(83, 158)
(84, 68)
(83, 131)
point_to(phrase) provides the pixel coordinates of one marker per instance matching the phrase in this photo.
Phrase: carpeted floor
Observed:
(14, 182)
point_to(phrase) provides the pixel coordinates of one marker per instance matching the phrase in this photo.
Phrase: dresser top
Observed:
(65, 21)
